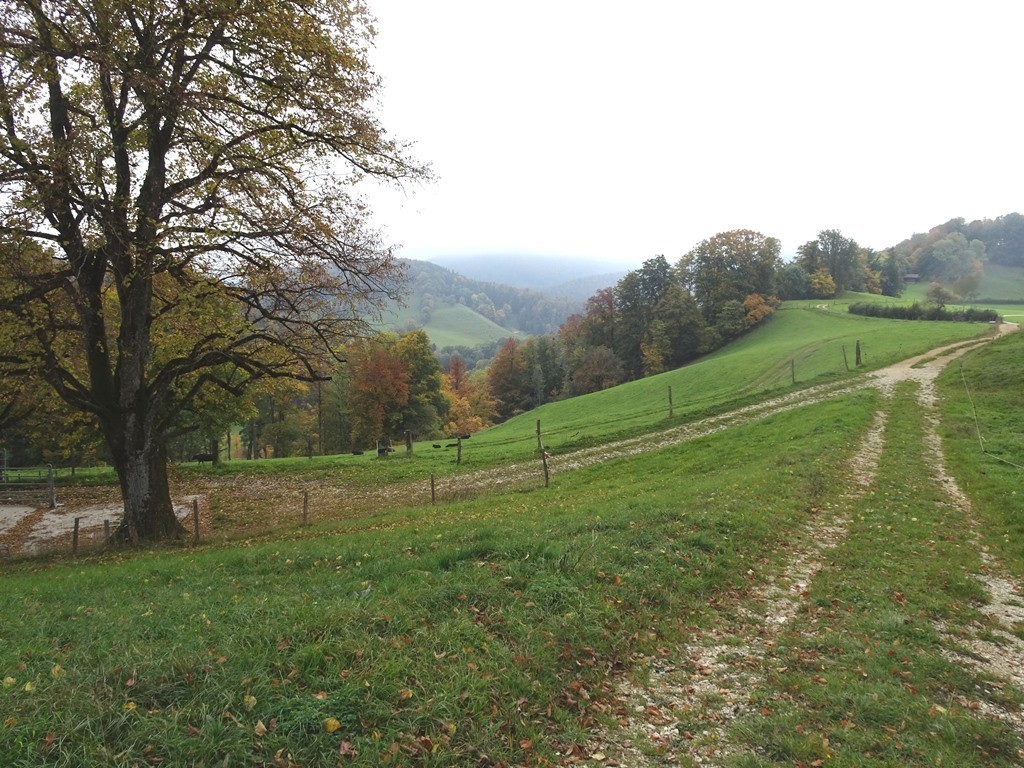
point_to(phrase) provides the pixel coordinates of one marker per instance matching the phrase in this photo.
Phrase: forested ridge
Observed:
(429, 286)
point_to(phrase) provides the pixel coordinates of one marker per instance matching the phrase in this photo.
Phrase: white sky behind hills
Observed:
(620, 131)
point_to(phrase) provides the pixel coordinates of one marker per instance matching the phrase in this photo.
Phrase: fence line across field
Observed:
(26, 485)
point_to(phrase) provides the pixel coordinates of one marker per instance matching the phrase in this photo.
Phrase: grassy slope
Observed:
(1002, 283)
(998, 283)
(748, 369)
(757, 364)
(478, 629)
(458, 325)
(453, 325)
(983, 398)
(484, 631)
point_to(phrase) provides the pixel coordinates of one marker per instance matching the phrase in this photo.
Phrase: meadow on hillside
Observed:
(495, 630)
(249, 497)
(805, 338)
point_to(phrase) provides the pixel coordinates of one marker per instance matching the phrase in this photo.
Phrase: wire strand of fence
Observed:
(974, 408)
(977, 425)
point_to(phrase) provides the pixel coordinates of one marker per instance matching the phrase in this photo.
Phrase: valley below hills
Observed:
(465, 302)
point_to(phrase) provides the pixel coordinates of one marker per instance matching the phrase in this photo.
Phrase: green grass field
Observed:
(1005, 284)
(983, 428)
(490, 631)
(461, 634)
(458, 325)
(999, 283)
(801, 339)
(451, 325)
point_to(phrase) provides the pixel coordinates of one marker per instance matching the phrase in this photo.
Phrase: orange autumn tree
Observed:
(508, 380)
(379, 390)
(758, 308)
(470, 406)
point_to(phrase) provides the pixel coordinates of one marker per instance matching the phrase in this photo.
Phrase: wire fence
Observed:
(27, 530)
(27, 485)
(977, 425)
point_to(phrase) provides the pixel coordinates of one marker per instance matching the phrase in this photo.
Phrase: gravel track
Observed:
(725, 663)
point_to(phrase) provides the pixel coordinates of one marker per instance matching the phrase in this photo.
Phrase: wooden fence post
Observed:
(540, 445)
(195, 520)
(670, 402)
(544, 461)
(792, 370)
(50, 486)
(858, 353)
(305, 507)
(433, 492)
(74, 538)
(408, 442)
(845, 361)
(106, 533)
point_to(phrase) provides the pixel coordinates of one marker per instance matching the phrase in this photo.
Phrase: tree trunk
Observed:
(148, 512)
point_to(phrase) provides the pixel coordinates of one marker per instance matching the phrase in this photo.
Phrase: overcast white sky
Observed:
(622, 130)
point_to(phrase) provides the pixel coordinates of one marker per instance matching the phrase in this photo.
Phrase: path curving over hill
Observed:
(923, 369)
(725, 663)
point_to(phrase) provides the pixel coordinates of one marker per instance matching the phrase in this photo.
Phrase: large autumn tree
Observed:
(379, 389)
(183, 168)
(722, 271)
(834, 254)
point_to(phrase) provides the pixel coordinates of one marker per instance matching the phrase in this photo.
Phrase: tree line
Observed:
(390, 385)
(379, 387)
(933, 310)
(375, 390)
(948, 251)
(656, 318)
(665, 315)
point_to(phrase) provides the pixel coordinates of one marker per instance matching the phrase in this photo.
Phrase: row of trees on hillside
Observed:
(664, 315)
(952, 254)
(655, 318)
(387, 385)
(954, 249)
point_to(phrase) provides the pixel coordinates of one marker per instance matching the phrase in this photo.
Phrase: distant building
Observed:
(911, 277)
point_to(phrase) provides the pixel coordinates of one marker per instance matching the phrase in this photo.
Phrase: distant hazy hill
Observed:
(582, 288)
(559, 276)
(456, 310)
